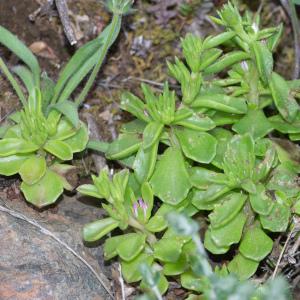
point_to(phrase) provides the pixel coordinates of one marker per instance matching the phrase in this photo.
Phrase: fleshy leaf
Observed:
(261, 202)
(151, 134)
(242, 267)
(168, 249)
(170, 181)
(230, 233)
(192, 282)
(239, 158)
(79, 140)
(59, 149)
(11, 146)
(124, 146)
(256, 245)
(199, 146)
(44, 192)
(225, 212)
(33, 169)
(144, 163)
(278, 219)
(211, 246)
(254, 122)
(130, 269)
(285, 103)
(10, 165)
(96, 230)
(131, 246)
(202, 178)
(111, 244)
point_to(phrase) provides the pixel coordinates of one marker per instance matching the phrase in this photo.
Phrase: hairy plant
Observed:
(223, 146)
(47, 131)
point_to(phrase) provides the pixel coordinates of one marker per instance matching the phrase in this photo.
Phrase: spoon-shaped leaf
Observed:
(170, 181)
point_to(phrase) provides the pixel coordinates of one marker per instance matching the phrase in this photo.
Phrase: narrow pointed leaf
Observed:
(96, 230)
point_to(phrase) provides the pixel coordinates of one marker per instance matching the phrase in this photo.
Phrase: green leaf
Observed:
(206, 200)
(170, 181)
(285, 103)
(168, 249)
(282, 126)
(59, 149)
(130, 269)
(124, 146)
(11, 146)
(156, 224)
(213, 41)
(226, 61)
(44, 192)
(197, 122)
(223, 137)
(264, 60)
(69, 109)
(242, 267)
(261, 202)
(78, 142)
(209, 56)
(10, 165)
(230, 233)
(151, 134)
(96, 230)
(77, 60)
(278, 219)
(284, 180)
(192, 282)
(111, 244)
(131, 246)
(144, 163)
(176, 268)
(27, 77)
(199, 146)
(202, 178)
(221, 102)
(239, 158)
(254, 122)
(162, 284)
(135, 126)
(11, 41)
(135, 106)
(211, 246)
(89, 190)
(256, 245)
(33, 169)
(225, 212)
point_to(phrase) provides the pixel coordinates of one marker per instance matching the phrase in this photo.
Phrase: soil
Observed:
(34, 265)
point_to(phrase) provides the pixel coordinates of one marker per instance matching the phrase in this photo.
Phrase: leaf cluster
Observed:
(224, 146)
(47, 131)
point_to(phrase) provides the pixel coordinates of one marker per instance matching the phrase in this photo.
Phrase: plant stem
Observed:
(103, 52)
(135, 224)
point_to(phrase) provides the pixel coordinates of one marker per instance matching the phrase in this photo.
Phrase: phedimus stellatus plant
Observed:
(47, 131)
(225, 147)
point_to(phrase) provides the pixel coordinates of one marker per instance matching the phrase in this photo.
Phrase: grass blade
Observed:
(11, 41)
